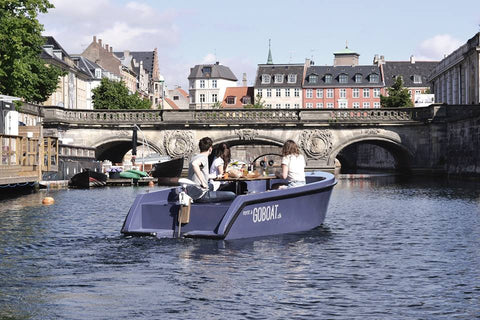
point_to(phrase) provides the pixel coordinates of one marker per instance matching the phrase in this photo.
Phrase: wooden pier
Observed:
(131, 182)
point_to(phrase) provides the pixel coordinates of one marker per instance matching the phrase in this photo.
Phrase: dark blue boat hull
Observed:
(260, 213)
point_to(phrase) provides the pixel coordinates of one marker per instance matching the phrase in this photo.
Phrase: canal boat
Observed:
(168, 171)
(88, 179)
(258, 212)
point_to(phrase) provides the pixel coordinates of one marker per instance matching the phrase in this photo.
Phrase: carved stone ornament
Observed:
(316, 144)
(371, 131)
(179, 143)
(246, 134)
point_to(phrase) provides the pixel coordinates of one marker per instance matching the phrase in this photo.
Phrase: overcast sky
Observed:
(236, 33)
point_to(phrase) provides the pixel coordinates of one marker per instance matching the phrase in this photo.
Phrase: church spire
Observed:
(269, 60)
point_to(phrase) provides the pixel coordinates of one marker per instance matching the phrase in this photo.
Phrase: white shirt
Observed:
(217, 162)
(296, 167)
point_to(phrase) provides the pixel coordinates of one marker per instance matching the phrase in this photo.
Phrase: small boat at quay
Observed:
(88, 179)
(258, 212)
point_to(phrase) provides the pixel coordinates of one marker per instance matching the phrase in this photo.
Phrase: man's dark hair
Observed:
(204, 144)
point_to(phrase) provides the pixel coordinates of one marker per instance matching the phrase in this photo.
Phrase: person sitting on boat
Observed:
(219, 168)
(293, 166)
(198, 173)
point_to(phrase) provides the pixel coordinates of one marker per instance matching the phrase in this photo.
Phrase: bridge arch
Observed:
(402, 155)
(115, 148)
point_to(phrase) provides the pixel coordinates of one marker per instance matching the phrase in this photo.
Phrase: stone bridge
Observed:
(419, 139)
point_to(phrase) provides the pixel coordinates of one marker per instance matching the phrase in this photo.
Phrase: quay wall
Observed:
(463, 148)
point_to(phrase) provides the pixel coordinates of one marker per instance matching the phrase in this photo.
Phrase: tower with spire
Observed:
(269, 59)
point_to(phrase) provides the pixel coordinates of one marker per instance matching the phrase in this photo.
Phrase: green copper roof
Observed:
(346, 51)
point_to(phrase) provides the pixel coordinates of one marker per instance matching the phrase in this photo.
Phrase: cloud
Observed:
(437, 47)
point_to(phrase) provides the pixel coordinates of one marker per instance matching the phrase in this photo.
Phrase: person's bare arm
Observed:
(199, 173)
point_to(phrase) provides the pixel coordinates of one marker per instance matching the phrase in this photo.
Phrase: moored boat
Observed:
(259, 212)
(168, 169)
(88, 179)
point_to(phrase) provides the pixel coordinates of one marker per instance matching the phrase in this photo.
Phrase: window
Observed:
(214, 83)
(287, 105)
(278, 106)
(342, 104)
(268, 105)
(329, 93)
(98, 73)
(376, 92)
(202, 98)
(292, 78)
(328, 78)
(297, 92)
(312, 78)
(259, 93)
(265, 78)
(287, 92)
(296, 105)
(320, 105)
(356, 105)
(309, 93)
(366, 105)
(214, 97)
(269, 93)
(192, 84)
(343, 78)
(358, 78)
(231, 100)
(356, 93)
(279, 78)
(207, 71)
(417, 78)
(202, 83)
(330, 105)
(309, 105)
(418, 92)
(278, 93)
(319, 93)
(246, 100)
(176, 98)
(376, 105)
(366, 93)
(374, 78)
(343, 93)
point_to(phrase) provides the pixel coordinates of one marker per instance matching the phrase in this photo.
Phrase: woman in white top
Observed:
(293, 165)
(221, 160)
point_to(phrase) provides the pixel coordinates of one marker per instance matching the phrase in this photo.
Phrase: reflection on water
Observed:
(392, 247)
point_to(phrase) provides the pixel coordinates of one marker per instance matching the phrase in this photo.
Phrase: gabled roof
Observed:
(172, 104)
(407, 70)
(284, 69)
(146, 56)
(335, 71)
(218, 71)
(183, 92)
(86, 65)
(238, 93)
(49, 40)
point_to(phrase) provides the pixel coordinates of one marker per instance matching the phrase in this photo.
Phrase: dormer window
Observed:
(343, 78)
(231, 100)
(279, 78)
(374, 78)
(358, 78)
(313, 78)
(417, 78)
(292, 78)
(328, 78)
(266, 78)
(207, 71)
(246, 100)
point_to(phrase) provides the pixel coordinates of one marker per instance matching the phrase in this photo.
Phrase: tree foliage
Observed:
(114, 95)
(22, 72)
(398, 96)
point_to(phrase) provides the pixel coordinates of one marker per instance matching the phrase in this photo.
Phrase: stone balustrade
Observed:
(57, 115)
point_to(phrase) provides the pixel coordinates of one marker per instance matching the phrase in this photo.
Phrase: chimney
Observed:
(111, 49)
(100, 42)
(412, 59)
(244, 80)
(106, 47)
(217, 63)
(95, 39)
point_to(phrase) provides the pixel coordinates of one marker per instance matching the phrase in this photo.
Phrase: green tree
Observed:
(114, 95)
(258, 103)
(398, 96)
(22, 72)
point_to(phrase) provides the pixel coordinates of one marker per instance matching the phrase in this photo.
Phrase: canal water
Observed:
(390, 248)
